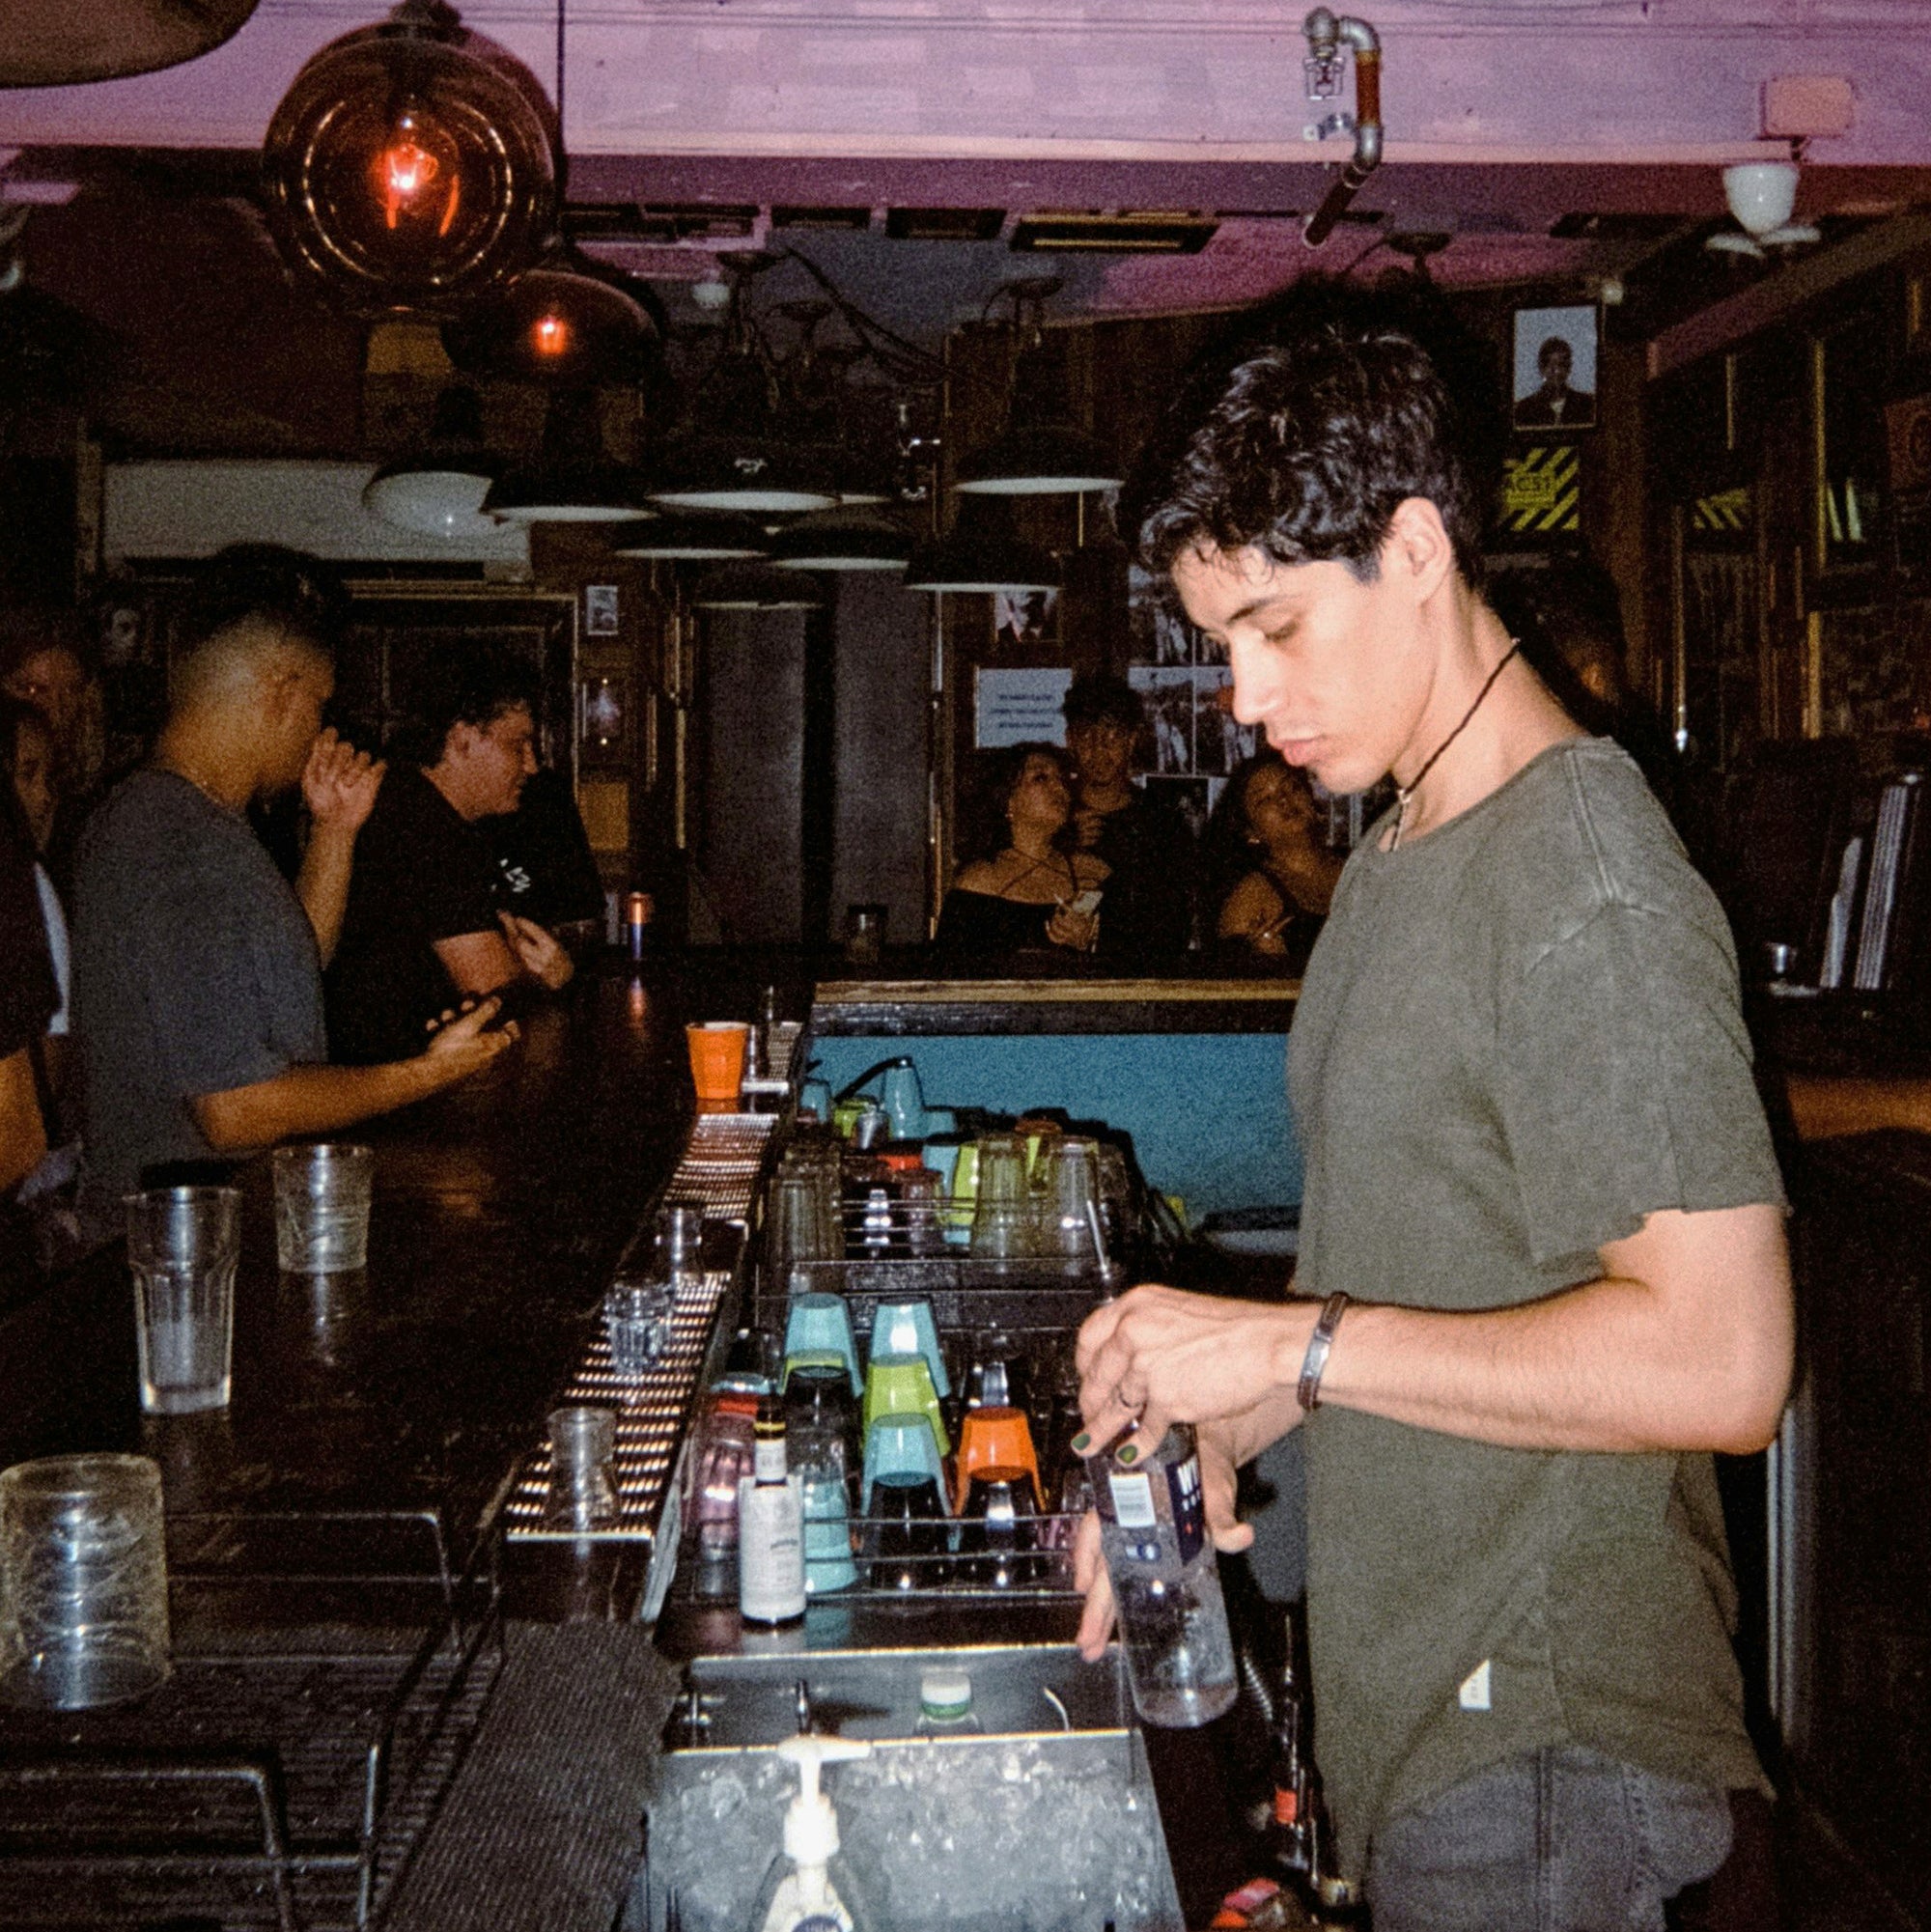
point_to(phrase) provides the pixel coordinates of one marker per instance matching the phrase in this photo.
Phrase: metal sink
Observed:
(1018, 1689)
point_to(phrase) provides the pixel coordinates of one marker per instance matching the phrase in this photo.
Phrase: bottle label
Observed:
(768, 1459)
(1132, 1500)
(770, 1550)
(1190, 1506)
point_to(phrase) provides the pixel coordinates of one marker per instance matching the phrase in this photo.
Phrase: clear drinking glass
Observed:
(639, 1318)
(678, 1245)
(83, 1581)
(321, 1207)
(582, 1466)
(797, 1218)
(1002, 1215)
(1073, 1199)
(182, 1245)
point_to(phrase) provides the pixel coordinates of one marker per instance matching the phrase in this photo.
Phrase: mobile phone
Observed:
(1087, 902)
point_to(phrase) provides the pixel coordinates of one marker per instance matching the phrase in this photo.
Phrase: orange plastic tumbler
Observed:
(717, 1062)
(994, 1439)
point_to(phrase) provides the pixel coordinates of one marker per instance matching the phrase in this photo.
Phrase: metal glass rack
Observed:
(328, 1675)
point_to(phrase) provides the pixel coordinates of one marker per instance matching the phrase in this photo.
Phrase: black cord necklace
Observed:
(1404, 793)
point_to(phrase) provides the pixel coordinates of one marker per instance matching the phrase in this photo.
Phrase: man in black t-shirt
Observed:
(425, 927)
(1147, 913)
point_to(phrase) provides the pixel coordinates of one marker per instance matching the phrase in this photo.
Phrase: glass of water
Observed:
(182, 1246)
(321, 1207)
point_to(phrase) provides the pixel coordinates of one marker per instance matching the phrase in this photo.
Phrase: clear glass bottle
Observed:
(1167, 1581)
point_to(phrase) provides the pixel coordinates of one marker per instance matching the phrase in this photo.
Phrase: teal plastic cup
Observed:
(820, 1324)
(908, 1327)
(900, 1445)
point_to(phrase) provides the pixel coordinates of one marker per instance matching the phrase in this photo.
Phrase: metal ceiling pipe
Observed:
(1326, 36)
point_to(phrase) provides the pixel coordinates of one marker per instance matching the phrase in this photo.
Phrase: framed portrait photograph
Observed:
(1025, 619)
(1555, 369)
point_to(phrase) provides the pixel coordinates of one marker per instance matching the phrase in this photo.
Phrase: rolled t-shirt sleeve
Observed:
(1625, 1081)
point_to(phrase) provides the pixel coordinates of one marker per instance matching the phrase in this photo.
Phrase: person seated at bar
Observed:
(545, 869)
(44, 663)
(27, 760)
(425, 927)
(1277, 906)
(197, 968)
(29, 999)
(1024, 889)
(1145, 845)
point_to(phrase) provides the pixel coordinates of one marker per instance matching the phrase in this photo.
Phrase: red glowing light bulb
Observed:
(550, 335)
(408, 170)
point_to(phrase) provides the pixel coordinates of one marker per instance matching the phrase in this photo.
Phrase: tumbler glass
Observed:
(321, 1207)
(864, 933)
(816, 1454)
(1002, 1215)
(677, 1244)
(908, 1539)
(182, 1245)
(639, 1318)
(999, 1533)
(1072, 1197)
(83, 1581)
(794, 1225)
(582, 1468)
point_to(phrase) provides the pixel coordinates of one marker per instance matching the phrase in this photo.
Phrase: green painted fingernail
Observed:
(1128, 1455)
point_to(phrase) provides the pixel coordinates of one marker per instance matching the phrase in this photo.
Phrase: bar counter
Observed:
(421, 1385)
(418, 1385)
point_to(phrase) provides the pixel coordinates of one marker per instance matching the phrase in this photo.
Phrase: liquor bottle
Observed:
(771, 1528)
(1293, 1825)
(1167, 1580)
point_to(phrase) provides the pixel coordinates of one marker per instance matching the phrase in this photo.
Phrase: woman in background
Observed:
(1269, 817)
(1023, 888)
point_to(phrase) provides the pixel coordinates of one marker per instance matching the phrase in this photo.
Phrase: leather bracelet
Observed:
(1314, 1364)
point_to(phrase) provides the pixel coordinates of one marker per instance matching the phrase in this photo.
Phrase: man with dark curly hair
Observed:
(1542, 1271)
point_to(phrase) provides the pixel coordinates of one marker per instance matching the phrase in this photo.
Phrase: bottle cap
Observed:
(945, 1696)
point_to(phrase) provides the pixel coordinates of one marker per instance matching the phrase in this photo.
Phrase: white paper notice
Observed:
(1020, 705)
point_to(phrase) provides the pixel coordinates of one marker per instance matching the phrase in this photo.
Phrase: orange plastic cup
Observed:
(994, 1439)
(718, 1061)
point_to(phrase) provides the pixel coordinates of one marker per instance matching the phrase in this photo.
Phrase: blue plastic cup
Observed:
(900, 1445)
(828, 1535)
(908, 1327)
(821, 1325)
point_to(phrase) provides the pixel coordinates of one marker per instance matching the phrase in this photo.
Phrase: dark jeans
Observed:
(1562, 1840)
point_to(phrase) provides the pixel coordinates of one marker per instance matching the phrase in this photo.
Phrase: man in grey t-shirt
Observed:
(1543, 1228)
(197, 970)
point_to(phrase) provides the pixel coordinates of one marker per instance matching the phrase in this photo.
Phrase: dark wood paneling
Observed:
(748, 822)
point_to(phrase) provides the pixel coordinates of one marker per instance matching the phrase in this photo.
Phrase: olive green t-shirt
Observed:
(1517, 1035)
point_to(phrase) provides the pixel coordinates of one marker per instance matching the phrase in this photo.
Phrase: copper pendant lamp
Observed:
(411, 165)
(66, 42)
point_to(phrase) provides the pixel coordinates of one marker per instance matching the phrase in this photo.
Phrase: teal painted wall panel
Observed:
(1207, 1111)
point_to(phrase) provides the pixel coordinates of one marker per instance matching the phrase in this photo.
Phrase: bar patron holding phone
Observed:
(1024, 886)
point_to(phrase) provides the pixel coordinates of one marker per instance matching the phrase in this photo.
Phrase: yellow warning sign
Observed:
(1725, 513)
(1542, 491)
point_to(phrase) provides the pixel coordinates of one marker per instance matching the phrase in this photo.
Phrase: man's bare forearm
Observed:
(322, 885)
(311, 1100)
